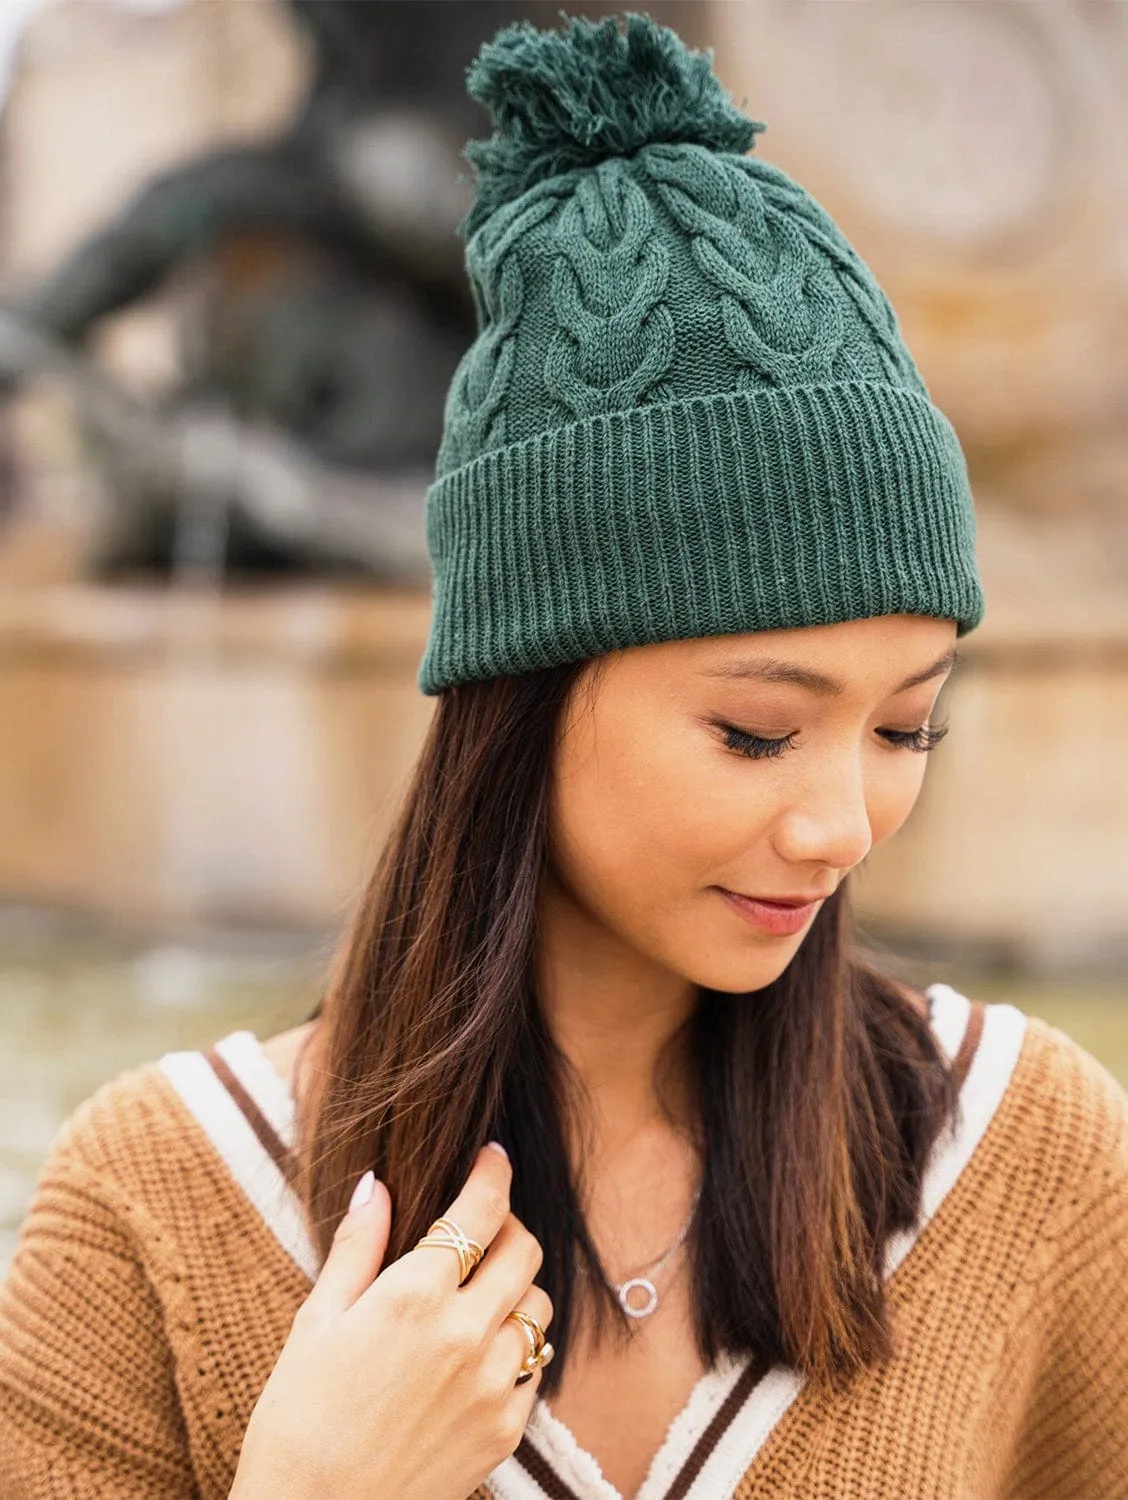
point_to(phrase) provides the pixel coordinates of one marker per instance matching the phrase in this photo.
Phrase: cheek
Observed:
(893, 792)
(642, 820)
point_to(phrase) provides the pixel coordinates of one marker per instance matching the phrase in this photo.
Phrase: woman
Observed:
(703, 548)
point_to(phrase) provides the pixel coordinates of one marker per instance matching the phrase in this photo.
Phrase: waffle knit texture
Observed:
(688, 409)
(147, 1303)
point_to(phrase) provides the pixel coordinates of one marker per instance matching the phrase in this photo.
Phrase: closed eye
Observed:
(755, 746)
(927, 737)
(760, 747)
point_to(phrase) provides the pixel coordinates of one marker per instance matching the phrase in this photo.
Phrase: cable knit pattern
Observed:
(680, 361)
(475, 411)
(614, 339)
(877, 350)
(147, 1302)
(781, 308)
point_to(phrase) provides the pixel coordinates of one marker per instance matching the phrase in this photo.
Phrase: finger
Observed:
(479, 1211)
(356, 1253)
(514, 1341)
(513, 1261)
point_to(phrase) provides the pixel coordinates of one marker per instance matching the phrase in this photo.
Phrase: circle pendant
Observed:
(651, 1297)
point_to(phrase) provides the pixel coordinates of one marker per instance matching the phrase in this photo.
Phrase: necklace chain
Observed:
(653, 1267)
(643, 1280)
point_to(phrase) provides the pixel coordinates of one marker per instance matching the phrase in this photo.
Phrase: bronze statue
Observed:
(331, 306)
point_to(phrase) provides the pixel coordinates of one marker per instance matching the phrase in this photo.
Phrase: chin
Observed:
(738, 977)
(736, 973)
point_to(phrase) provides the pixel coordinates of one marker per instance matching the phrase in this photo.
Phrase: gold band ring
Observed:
(447, 1233)
(540, 1350)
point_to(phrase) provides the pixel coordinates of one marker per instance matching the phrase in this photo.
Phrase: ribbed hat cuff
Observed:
(751, 510)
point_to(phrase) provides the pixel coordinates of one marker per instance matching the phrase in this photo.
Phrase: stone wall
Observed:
(975, 155)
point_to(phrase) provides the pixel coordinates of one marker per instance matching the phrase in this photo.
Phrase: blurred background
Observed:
(231, 298)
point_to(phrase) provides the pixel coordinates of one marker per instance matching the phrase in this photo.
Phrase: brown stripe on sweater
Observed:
(969, 1043)
(727, 1414)
(539, 1469)
(268, 1137)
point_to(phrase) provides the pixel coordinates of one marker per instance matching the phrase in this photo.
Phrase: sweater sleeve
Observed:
(88, 1399)
(1074, 1443)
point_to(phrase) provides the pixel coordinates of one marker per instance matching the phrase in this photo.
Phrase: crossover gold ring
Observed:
(451, 1236)
(540, 1350)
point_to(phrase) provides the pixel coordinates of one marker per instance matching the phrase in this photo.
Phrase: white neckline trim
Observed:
(949, 1012)
(244, 1055)
(1004, 1027)
(580, 1469)
(225, 1125)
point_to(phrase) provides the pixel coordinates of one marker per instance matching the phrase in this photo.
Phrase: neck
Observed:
(612, 1012)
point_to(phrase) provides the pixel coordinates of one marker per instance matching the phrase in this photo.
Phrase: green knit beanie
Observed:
(688, 409)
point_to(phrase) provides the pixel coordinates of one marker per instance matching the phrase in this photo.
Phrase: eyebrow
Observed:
(771, 669)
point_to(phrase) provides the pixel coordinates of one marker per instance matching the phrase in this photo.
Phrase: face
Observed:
(708, 795)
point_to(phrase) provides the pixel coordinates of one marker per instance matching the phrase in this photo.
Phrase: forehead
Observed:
(880, 654)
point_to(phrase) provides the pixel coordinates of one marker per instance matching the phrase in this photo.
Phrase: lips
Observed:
(781, 916)
(781, 900)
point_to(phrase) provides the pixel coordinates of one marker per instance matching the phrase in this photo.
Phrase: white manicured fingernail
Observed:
(363, 1191)
(497, 1146)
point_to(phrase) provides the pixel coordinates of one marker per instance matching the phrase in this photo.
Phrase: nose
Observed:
(828, 821)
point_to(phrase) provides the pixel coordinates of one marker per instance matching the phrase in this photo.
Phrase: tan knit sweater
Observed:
(164, 1256)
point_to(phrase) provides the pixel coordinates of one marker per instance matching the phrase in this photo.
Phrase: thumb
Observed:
(357, 1251)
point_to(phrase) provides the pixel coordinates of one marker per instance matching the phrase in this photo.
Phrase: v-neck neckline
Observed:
(553, 1458)
(734, 1406)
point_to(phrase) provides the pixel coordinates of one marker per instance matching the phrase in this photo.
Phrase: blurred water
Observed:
(1094, 1013)
(76, 1009)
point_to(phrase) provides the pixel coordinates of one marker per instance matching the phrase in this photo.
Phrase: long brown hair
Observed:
(817, 1099)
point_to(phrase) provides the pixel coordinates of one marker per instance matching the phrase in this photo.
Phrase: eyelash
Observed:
(753, 745)
(926, 738)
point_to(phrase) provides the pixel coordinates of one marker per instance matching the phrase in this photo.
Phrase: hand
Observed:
(400, 1382)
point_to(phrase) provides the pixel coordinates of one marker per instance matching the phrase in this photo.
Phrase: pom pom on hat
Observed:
(566, 99)
(687, 410)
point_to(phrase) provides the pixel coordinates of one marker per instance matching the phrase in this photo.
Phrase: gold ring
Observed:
(540, 1350)
(447, 1233)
